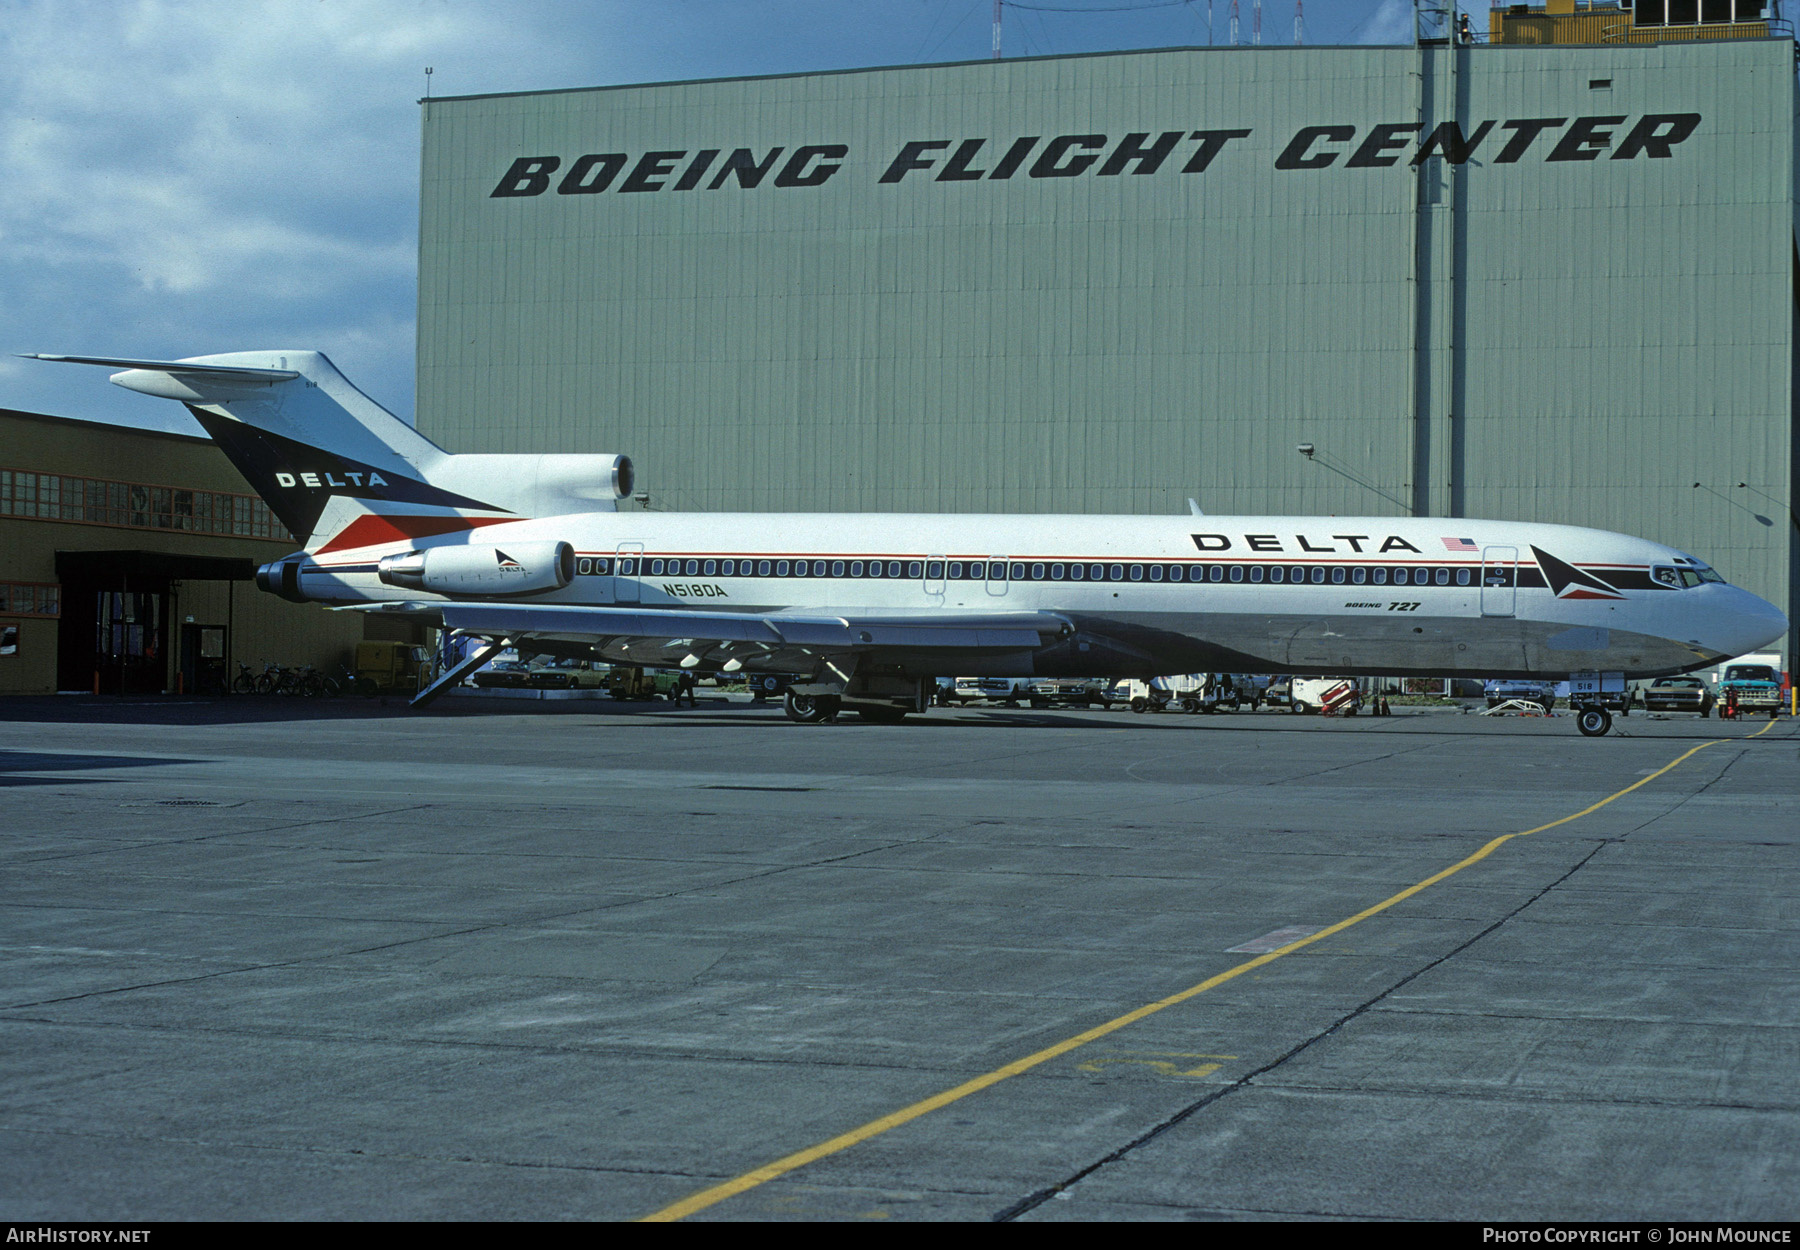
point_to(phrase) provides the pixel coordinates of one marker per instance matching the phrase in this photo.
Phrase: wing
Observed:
(757, 642)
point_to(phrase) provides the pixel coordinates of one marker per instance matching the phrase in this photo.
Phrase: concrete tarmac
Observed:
(266, 959)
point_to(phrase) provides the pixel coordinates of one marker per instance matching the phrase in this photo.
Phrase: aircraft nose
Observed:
(1748, 624)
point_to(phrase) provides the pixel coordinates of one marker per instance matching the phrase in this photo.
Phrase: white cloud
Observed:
(204, 176)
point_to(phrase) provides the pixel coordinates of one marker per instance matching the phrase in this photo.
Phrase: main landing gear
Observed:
(813, 709)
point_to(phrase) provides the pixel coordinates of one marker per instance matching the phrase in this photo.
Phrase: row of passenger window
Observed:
(1042, 571)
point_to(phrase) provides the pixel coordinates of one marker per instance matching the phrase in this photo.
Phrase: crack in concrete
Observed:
(1036, 1199)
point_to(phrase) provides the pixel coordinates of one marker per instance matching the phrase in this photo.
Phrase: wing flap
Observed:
(850, 631)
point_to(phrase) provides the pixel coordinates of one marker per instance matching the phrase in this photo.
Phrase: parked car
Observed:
(1543, 693)
(568, 675)
(1679, 694)
(506, 674)
(768, 686)
(1082, 691)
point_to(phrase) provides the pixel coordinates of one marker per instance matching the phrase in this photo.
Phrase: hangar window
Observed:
(781, 568)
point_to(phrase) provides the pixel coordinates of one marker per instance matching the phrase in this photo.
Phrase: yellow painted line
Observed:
(874, 1128)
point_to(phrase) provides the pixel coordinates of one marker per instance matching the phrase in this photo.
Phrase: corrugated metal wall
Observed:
(1567, 331)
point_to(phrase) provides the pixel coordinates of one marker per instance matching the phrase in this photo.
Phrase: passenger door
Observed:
(1499, 581)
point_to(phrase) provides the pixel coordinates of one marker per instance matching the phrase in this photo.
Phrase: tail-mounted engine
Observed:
(516, 569)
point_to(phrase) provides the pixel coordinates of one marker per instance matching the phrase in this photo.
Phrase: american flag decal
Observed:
(1460, 544)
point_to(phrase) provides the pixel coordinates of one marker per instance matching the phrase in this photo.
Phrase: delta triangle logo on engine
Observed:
(507, 563)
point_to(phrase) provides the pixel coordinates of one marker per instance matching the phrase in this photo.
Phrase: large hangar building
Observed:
(1548, 283)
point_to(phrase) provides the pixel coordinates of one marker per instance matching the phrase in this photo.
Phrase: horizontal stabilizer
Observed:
(171, 366)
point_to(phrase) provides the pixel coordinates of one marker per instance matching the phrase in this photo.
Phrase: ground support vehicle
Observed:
(627, 682)
(1328, 696)
(392, 666)
(1160, 693)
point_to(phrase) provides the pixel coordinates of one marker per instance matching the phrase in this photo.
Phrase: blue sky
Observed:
(184, 178)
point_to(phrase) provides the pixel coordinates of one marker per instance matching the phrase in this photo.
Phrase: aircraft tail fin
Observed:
(338, 469)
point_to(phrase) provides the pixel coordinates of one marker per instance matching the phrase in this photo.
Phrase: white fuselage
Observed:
(1152, 595)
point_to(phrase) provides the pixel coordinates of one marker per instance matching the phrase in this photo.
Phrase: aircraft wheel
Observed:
(1593, 721)
(812, 709)
(1140, 704)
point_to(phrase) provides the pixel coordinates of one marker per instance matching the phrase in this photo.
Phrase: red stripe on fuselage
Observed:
(375, 529)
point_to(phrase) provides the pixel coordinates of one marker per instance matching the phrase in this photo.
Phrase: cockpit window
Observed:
(1707, 575)
(1666, 575)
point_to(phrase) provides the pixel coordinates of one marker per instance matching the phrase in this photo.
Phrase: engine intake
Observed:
(516, 569)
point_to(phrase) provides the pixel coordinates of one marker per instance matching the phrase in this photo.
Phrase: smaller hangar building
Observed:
(121, 557)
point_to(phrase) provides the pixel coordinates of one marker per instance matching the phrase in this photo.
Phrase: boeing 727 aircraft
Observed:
(865, 610)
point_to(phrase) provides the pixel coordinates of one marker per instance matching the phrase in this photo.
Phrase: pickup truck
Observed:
(1756, 681)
